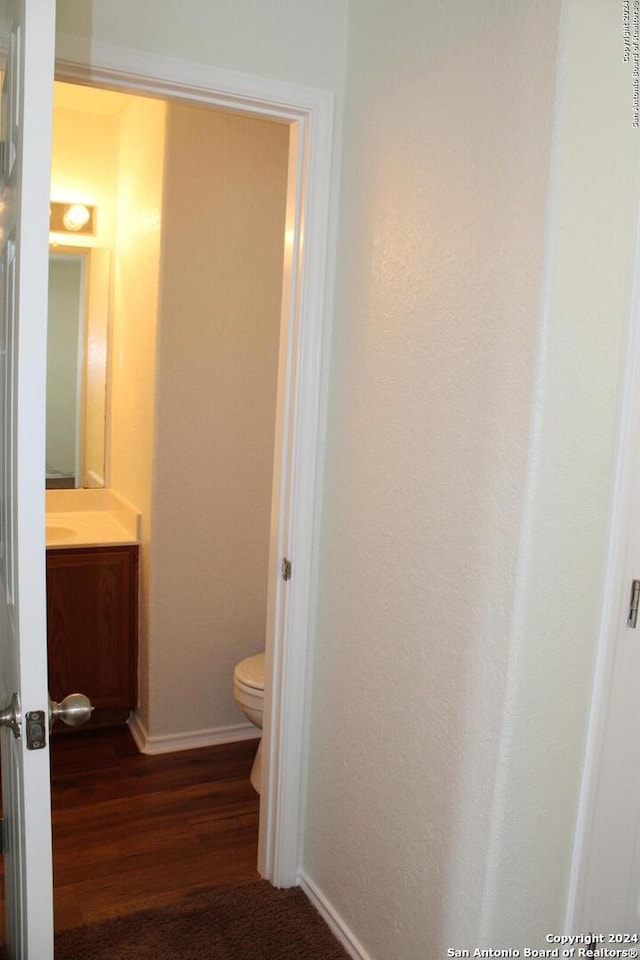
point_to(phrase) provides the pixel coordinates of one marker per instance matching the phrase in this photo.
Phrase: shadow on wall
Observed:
(433, 361)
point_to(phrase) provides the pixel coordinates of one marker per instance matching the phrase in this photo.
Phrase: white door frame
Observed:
(310, 115)
(591, 833)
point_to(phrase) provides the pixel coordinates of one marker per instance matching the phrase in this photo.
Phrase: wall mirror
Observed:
(77, 375)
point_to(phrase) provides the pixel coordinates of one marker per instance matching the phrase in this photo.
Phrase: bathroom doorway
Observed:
(286, 445)
(190, 204)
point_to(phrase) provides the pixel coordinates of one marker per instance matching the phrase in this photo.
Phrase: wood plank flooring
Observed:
(132, 831)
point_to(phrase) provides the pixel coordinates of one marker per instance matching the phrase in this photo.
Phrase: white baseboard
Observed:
(190, 740)
(333, 919)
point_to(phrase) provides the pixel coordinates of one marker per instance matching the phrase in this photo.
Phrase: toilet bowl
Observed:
(248, 690)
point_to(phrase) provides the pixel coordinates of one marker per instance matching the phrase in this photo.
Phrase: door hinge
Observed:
(286, 569)
(632, 620)
(3, 846)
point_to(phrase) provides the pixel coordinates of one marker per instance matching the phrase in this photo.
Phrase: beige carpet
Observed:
(248, 922)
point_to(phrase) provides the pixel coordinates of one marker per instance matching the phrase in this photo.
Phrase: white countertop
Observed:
(89, 518)
(98, 529)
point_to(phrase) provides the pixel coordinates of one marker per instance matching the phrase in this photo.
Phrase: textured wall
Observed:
(593, 210)
(472, 417)
(302, 42)
(449, 111)
(221, 288)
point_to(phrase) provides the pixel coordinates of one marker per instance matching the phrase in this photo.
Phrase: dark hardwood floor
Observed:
(132, 831)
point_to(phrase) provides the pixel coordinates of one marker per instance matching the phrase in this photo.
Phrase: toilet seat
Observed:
(248, 690)
(249, 673)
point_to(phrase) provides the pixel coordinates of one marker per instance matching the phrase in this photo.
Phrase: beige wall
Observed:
(134, 324)
(223, 237)
(99, 298)
(85, 168)
(137, 259)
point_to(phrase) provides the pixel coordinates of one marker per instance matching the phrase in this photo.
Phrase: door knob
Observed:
(11, 716)
(74, 710)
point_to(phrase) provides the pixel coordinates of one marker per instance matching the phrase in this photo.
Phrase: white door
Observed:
(27, 57)
(611, 893)
(604, 896)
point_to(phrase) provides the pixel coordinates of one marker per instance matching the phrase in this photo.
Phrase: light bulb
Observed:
(76, 217)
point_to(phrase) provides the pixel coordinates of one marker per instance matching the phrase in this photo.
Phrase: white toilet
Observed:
(248, 690)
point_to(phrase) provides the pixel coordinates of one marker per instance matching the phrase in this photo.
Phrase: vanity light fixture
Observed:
(78, 218)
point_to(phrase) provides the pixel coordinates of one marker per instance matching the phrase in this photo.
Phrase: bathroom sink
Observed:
(60, 533)
(86, 528)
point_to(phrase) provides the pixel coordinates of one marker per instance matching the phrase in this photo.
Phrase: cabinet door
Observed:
(92, 628)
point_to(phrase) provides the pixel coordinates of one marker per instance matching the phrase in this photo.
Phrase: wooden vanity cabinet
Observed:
(92, 629)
